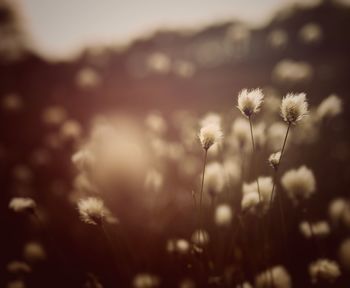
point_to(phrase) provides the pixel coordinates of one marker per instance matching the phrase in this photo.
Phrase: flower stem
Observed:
(201, 192)
(254, 150)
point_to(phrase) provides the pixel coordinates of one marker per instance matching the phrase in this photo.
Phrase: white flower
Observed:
(241, 132)
(324, 269)
(294, 107)
(249, 201)
(22, 204)
(182, 246)
(310, 33)
(280, 278)
(200, 237)
(223, 215)
(251, 189)
(299, 183)
(339, 211)
(92, 210)
(233, 171)
(214, 179)
(210, 135)
(276, 134)
(344, 253)
(329, 107)
(319, 229)
(289, 71)
(211, 119)
(278, 38)
(34, 252)
(249, 101)
(274, 159)
(144, 280)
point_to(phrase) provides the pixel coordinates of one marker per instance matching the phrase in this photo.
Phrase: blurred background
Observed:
(156, 68)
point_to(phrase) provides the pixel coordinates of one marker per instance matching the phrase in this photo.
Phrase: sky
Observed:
(59, 28)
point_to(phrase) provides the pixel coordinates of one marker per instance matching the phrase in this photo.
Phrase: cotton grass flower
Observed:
(339, 211)
(214, 181)
(92, 210)
(178, 246)
(144, 280)
(294, 107)
(223, 215)
(22, 204)
(240, 132)
(319, 229)
(251, 189)
(274, 160)
(249, 101)
(209, 135)
(250, 201)
(324, 270)
(329, 107)
(344, 253)
(34, 252)
(300, 184)
(275, 277)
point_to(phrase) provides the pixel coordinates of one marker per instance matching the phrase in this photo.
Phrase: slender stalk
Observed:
(201, 192)
(253, 150)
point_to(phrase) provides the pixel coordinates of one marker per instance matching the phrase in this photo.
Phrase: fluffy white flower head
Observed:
(210, 135)
(329, 107)
(294, 107)
(22, 204)
(223, 215)
(92, 210)
(274, 159)
(299, 183)
(318, 229)
(324, 269)
(249, 101)
(280, 278)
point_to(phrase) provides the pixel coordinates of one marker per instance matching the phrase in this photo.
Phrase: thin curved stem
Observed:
(254, 150)
(201, 192)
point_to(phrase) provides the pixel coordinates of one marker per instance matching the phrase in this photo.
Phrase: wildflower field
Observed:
(218, 157)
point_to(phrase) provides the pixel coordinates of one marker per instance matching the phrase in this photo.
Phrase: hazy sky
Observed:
(60, 27)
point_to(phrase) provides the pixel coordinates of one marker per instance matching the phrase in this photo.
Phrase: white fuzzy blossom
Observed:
(318, 229)
(209, 135)
(214, 179)
(275, 277)
(329, 107)
(233, 171)
(299, 183)
(249, 101)
(241, 132)
(274, 159)
(294, 107)
(344, 254)
(144, 280)
(22, 204)
(339, 211)
(92, 210)
(251, 193)
(324, 270)
(223, 215)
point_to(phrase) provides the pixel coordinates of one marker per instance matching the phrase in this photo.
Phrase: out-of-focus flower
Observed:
(16, 284)
(329, 107)
(250, 201)
(156, 123)
(87, 78)
(276, 134)
(210, 135)
(18, 267)
(211, 119)
(249, 101)
(339, 211)
(200, 237)
(71, 130)
(318, 229)
(311, 33)
(324, 270)
(92, 210)
(184, 69)
(144, 280)
(344, 253)
(233, 171)
(274, 159)
(280, 278)
(299, 183)
(214, 179)
(54, 115)
(292, 72)
(159, 63)
(187, 283)
(154, 180)
(223, 215)
(294, 107)
(260, 135)
(265, 185)
(278, 38)
(21, 204)
(241, 132)
(34, 252)
(12, 102)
